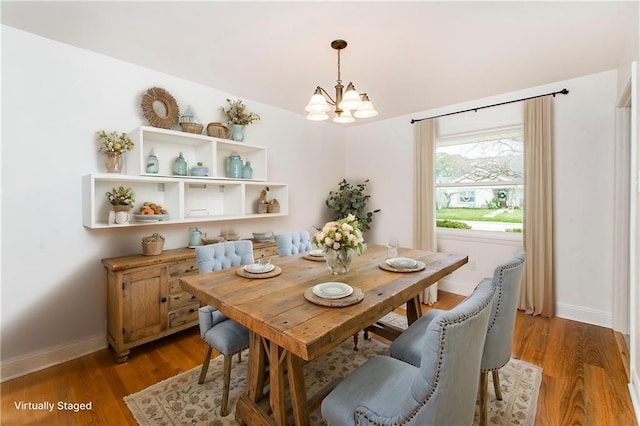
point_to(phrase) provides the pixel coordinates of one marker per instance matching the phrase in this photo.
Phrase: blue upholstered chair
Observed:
(498, 343)
(293, 243)
(388, 391)
(216, 329)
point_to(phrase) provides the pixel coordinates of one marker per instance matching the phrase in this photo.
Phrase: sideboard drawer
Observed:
(184, 315)
(180, 299)
(182, 268)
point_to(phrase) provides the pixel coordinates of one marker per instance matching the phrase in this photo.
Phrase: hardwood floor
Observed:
(584, 381)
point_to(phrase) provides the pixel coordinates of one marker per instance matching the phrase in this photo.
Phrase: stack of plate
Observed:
(263, 237)
(332, 290)
(258, 268)
(316, 253)
(402, 263)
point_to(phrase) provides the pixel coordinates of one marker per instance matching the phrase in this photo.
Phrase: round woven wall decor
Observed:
(156, 94)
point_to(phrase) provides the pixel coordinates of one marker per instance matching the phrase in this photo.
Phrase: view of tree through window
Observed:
(480, 181)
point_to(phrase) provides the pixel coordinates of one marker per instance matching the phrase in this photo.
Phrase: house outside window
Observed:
(480, 181)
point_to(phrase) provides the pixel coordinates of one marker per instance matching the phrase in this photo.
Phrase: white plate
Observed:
(402, 262)
(332, 290)
(150, 217)
(316, 253)
(256, 268)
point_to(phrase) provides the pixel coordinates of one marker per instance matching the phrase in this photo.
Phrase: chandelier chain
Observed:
(339, 81)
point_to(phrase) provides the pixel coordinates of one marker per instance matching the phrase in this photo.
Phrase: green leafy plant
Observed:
(237, 113)
(112, 142)
(121, 196)
(351, 199)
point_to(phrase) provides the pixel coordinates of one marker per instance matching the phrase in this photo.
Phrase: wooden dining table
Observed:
(286, 329)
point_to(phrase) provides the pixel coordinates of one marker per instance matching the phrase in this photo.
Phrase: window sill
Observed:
(514, 238)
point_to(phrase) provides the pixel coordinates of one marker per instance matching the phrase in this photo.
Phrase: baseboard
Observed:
(455, 287)
(586, 315)
(634, 391)
(42, 359)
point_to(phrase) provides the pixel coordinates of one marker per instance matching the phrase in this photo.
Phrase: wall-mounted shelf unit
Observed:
(186, 198)
(212, 152)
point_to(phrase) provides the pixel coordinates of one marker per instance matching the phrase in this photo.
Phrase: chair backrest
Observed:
(445, 391)
(214, 257)
(293, 243)
(499, 342)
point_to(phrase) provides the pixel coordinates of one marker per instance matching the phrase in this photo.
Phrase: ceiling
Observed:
(408, 56)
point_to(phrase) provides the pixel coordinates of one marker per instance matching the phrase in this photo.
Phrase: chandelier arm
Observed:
(327, 95)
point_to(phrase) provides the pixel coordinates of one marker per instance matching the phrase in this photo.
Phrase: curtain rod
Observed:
(563, 92)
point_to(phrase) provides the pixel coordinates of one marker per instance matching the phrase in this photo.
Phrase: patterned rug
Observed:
(180, 400)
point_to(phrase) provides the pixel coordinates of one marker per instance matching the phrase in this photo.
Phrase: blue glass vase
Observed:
(237, 132)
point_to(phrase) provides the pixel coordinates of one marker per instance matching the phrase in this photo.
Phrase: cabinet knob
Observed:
(193, 297)
(163, 300)
(191, 310)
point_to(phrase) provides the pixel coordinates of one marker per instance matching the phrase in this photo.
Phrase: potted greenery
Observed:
(121, 198)
(113, 146)
(238, 117)
(152, 245)
(351, 199)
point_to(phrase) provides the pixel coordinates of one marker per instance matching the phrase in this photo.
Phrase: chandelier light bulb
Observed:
(344, 117)
(317, 116)
(317, 103)
(351, 99)
(366, 110)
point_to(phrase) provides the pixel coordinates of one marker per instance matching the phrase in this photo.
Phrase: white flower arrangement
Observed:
(341, 234)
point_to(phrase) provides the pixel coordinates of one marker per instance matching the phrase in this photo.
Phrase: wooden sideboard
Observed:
(145, 301)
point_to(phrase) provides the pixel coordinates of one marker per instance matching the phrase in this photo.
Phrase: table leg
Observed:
(276, 383)
(414, 310)
(298, 392)
(256, 367)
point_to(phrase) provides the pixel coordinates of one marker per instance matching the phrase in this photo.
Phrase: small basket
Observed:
(152, 248)
(273, 206)
(218, 130)
(192, 128)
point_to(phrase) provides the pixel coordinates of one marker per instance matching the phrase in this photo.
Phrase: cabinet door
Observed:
(145, 303)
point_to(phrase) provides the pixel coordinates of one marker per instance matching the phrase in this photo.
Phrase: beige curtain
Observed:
(424, 221)
(536, 295)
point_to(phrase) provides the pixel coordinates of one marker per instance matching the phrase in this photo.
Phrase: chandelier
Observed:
(344, 103)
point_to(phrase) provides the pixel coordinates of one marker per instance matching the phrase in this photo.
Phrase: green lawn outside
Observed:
(510, 216)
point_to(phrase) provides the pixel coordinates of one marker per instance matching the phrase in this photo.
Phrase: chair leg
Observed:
(224, 406)
(239, 356)
(483, 397)
(496, 384)
(205, 364)
(355, 342)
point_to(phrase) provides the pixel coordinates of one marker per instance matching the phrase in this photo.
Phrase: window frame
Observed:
(458, 139)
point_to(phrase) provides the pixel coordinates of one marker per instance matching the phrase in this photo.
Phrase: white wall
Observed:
(583, 173)
(55, 97)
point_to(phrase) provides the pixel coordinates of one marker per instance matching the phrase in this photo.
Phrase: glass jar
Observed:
(247, 171)
(153, 165)
(234, 166)
(180, 166)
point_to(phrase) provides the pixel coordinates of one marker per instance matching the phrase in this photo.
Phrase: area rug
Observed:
(180, 400)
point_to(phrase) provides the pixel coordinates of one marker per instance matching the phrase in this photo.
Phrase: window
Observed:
(480, 181)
